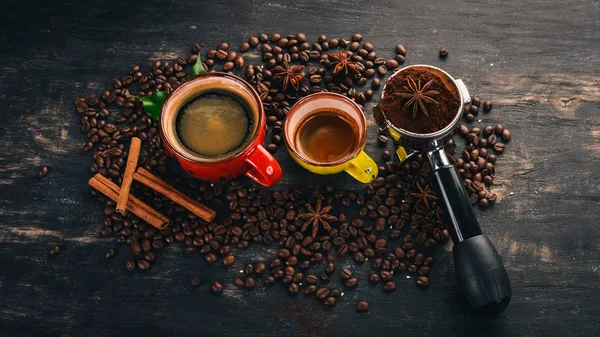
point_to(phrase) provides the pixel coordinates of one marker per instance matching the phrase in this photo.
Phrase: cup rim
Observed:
(426, 136)
(241, 151)
(362, 137)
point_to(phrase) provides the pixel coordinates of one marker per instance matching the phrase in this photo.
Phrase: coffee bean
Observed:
(382, 70)
(376, 83)
(130, 265)
(210, 258)
(143, 264)
(249, 269)
(351, 282)
(374, 278)
(499, 148)
(346, 273)
(228, 260)
(109, 253)
(400, 49)
(423, 282)
(244, 47)
(228, 66)
(463, 130)
(476, 101)
(382, 139)
(506, 135)
(195, 282)
(474, 110)
(330, 268)
(330, 301)
(487, 131)
(54, 250)
(260, 268)
(391, 64)
(223, 46)
(389, 286)
(356, 37)
(400, 59)
(216, 287)
(359, 257)
(43, 171)
(444, 52)
(272, 148)
(487, 106)
(469, 118)
(249, 282)
(322, 293)
(221, 54)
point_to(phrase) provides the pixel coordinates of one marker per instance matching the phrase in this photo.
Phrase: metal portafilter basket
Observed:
(478, 266)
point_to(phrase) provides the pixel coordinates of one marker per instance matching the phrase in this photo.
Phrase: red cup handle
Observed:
(264, 169)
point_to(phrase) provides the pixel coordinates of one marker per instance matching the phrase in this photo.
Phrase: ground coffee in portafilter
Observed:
(387, 229)
(440, 114)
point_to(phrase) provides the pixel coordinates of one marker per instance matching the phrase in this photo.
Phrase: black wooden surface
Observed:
(524, 55)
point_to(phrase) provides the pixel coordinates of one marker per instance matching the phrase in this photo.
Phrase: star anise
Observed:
(317, 217)
(417, 96)
(424, 195)
(289, 74)
(341, 61)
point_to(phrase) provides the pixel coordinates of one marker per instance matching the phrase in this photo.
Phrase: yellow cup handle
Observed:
(362, 168)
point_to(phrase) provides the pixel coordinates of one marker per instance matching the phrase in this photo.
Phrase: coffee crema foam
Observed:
(213, 125)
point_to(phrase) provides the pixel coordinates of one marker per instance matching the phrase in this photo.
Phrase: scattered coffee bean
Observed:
(228, 260)
(362, 306)
(216, 287)
(44, 171)
(249, 282)
(351, 282)
(389, 286)
(423, 281)
(487, 106)
(330, 301)
(195, 282)
(444, 52)
(54, 250)
(400, 49)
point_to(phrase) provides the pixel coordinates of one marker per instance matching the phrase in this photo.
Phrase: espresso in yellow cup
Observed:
(325, 133)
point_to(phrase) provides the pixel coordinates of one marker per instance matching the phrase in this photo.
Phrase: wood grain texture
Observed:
(524, 55)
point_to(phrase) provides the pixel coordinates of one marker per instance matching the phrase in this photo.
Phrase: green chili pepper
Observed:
(197, 69)
(153, 103)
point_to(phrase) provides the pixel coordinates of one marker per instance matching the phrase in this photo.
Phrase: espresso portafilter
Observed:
(479, 268)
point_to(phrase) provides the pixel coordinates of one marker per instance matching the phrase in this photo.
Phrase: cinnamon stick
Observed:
(145, 177)
(134, 205)
(137, 201)
(132, 159)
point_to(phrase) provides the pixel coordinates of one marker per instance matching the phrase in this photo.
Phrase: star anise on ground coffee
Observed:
(341, 61)
(424, 195)
(288, 74)
(417, 96)
(317, 217)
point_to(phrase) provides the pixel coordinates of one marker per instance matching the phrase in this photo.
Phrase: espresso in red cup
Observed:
(215, 125)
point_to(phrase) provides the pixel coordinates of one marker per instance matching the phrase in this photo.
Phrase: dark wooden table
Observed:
(527, 56)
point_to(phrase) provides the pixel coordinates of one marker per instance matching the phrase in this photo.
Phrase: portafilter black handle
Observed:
(478, 266)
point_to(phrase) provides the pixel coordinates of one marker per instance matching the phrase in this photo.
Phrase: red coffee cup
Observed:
(251, 159)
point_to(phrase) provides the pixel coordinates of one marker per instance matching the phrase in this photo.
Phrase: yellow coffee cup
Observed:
(326, 132)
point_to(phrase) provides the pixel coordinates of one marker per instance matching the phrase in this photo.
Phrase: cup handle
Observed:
(264, 169)
(362, 168)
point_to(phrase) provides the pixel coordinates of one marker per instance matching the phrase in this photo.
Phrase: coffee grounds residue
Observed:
(440, 115)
